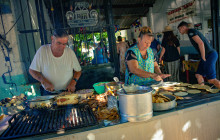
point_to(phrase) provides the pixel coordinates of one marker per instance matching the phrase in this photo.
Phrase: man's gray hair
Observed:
(60, 33)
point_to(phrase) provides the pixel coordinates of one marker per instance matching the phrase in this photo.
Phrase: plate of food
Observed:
(67, 99)
(13, 105)
(41, 102)
(163, 102)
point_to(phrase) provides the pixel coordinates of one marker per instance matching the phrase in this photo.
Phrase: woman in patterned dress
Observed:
(141, 68)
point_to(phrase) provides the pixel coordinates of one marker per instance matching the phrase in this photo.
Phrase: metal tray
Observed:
(165, 105)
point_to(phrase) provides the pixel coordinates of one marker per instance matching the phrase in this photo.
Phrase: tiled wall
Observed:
(22, 87)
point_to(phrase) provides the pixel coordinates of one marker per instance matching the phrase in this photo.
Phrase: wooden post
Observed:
(111, 36)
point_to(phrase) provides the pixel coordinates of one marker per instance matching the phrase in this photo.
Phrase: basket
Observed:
(100, 87)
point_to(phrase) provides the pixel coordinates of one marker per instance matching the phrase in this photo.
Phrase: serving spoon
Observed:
(117, 81)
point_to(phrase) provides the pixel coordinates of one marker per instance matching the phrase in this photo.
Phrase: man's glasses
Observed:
(59, 43)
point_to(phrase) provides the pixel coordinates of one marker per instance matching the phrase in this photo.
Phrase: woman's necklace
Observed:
(144, 56)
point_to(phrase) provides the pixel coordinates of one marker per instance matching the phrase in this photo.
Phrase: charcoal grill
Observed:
(35, 122)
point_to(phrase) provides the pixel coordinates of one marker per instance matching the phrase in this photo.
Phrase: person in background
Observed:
(56, 66)
(171, 52)
(128, 43)
(121, 49)
(100, 54)
(141, 68)
(155, 46)
(208, 55)
(134, 42)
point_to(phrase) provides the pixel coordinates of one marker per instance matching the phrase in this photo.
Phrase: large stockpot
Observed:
(135, 107)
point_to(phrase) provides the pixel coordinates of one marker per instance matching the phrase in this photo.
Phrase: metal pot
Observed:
(41, 102)
(135, 107)
(165, 105)
(112, 85)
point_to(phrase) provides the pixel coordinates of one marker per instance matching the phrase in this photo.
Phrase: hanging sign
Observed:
(182, 12)
(81, 16)
(198, 26)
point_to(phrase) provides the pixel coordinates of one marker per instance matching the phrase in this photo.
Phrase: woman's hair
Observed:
(60, 33)
(128, 42)
(145, 31)
(170, 38)
(119, 38)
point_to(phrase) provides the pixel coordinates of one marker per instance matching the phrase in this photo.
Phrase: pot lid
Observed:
(140, 90)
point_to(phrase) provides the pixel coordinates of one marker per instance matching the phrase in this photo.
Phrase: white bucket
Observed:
(186, 56)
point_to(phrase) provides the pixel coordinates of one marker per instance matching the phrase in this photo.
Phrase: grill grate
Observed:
(35, 122)
(191, 99)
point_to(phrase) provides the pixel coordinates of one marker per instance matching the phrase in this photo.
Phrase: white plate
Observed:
(170, 83)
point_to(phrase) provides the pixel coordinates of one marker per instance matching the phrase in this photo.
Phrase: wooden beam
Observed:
(124, 28)
(128, 16)
(125, 6)
(132, 5)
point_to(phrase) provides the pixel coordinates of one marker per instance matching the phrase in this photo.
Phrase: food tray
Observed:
(165, 105)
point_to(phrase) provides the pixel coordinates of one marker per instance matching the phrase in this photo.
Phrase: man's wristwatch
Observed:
(75, 79)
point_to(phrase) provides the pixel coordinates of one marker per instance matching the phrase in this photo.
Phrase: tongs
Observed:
(118, 82)
(109, 90)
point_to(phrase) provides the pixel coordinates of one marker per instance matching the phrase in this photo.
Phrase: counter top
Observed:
(172, 124)
(182, 108)
(99, 129)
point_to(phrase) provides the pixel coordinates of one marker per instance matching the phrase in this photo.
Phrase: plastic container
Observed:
(100, 87)
(186, 57)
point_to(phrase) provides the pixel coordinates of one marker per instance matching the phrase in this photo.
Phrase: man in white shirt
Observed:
(56, 66)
